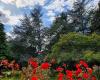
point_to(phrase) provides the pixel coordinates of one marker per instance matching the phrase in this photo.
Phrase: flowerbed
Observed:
(36, 71)
(45, 71)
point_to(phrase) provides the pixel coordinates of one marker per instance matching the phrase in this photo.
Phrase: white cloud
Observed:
(13, 20)
(50, 13)
(8, 1)
(4, 15)
(70, 2)
(6, 12)
(7, 18)
(52, 19)
(57, 5)
(24, 3)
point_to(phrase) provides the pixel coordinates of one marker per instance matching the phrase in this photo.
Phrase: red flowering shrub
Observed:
(69, 74)
(34, 78)
(60, 76)
(45, 65)
(85, 75)
(7, 64)
(40, 72)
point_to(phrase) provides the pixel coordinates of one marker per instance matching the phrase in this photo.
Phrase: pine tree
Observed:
(80, 15)
(59, 27)
(95, 27)
(3, 46)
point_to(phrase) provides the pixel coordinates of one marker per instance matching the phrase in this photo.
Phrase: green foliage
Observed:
(73, 45)
(95, 27)
(3, 45)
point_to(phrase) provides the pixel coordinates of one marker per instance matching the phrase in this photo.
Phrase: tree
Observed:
(37, 24)
(95, 22)
(29, 34)
(80, 15)
(60, 26)
(3, 46)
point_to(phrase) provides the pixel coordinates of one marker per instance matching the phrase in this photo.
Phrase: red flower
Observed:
(79, 79)
(34, 64)
(85, 76)
(82, 62)
(89, 70)
(93, 78)
(59, 69)
(78, 71)
(71, 79)
(30, 60)
(60, 76)
(45, 65)
(34, 71)
(77, 66)
(69, 74)
(34, 78)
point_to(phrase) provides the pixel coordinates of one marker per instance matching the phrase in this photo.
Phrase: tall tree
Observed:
(37, 24)
(80, 15)
(95, 22)
(60, 26)
(29, 34)
(3, 46)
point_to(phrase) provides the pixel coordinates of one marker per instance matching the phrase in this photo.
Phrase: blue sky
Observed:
(13, 10)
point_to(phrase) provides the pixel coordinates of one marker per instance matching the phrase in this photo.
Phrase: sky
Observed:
(13, 10)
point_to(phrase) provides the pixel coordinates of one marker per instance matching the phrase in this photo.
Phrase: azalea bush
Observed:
(8, 67)
(43, 71)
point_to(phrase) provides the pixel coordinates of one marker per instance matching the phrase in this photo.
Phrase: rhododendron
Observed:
(93, 78)
(82, 62)
(34, 64)
(60, 76)
(79, 79)
(85, 76)
(89, 70)
(34, 78)
(77, 66)
(69, 74)
(78, 71)
(34, 71)
(45, 65)
(59, 69)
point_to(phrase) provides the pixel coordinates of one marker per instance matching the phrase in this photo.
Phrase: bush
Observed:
(73, 45)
